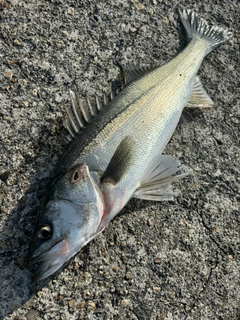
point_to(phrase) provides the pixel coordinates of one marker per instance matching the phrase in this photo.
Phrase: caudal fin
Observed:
(198, 27)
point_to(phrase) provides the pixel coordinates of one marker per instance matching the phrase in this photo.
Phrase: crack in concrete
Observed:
(196, 299)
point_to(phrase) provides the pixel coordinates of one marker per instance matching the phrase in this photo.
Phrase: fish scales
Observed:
(152, 115)
(118, 155)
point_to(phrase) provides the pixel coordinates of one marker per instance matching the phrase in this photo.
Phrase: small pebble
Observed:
(6, 5)
(71, 303)
(85, 279)
(156, 289)
(124, 303)
(149, 222)
(16, 41)
(115, 268)
(129, 275)
(160, 316)
(64, 33)
(91, 305)
(85, 293)
(80, 304)
(71, 11)
(217, 230)
(81, 316)
(35, 92)
(25, 103)
(8, 75)
(139, 6)
(123, 243)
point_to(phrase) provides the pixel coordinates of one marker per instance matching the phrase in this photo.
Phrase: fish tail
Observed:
(198, 27)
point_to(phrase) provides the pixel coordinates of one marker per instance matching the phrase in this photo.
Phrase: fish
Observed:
(116, 149)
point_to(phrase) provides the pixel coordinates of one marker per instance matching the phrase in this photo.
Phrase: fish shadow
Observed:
(17, 286)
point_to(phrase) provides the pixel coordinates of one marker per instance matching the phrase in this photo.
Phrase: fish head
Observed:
(69, 220)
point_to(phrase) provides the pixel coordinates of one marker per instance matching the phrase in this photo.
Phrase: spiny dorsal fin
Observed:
(76, 116)
(133, 72)
(82, 111)
(199, 97)
(120, 162)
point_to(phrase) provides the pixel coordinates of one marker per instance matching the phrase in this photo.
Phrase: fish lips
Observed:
(51, 259)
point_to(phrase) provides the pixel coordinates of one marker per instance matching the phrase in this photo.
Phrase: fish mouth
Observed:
(52, 259)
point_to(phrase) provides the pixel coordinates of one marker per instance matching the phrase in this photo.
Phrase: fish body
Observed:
(119, 154)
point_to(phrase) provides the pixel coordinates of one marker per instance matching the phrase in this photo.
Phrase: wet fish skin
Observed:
(119, 151)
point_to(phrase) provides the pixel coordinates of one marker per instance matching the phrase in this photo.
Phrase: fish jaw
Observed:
(51, 260)
(54, 258)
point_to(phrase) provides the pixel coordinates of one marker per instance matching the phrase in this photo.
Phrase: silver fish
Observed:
(118, 154)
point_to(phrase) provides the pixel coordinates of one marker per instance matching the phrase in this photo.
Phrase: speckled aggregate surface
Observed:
(171, 260)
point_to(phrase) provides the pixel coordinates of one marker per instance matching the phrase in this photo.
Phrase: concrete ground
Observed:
(171, 260)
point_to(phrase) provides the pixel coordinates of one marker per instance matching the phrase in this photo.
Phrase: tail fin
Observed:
(198, 27)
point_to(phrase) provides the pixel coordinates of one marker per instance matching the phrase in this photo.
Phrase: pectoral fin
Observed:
(199, 97)
(156, 183)
(120, 162)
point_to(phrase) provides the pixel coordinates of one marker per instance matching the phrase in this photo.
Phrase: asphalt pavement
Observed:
(170, 260)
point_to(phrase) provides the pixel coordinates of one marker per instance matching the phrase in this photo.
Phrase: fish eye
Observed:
(45, 232)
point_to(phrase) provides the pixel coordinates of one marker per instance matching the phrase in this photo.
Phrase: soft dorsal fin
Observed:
(120, 162)
(199, 97)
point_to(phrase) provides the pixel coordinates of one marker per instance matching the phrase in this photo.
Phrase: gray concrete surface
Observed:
(172, 260)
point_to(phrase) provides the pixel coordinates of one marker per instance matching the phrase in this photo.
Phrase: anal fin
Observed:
(199, 97)
(156, 183)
